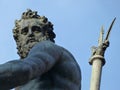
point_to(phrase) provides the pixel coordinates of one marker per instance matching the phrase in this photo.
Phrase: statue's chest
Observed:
(39, 83)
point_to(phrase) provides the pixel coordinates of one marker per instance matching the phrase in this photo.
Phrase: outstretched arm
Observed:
(18, 72)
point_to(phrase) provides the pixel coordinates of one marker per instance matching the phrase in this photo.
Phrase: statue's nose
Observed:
(30, 33)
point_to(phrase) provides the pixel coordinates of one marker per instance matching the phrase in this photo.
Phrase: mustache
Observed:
(31, 39)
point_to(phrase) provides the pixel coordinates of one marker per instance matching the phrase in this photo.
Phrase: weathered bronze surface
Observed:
(43, 65)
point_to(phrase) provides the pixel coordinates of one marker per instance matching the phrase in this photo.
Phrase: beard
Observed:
(26, 48)
(23, 49)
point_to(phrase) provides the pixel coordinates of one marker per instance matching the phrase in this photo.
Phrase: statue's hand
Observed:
(93, 48)
(100, 50)
(106, 44)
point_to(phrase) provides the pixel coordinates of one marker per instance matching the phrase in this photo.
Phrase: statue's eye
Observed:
(24, 31)
(36, 29)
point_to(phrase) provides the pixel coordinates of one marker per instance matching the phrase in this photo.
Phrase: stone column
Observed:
(97, 62)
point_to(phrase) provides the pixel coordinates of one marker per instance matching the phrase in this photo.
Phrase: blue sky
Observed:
(77, 25)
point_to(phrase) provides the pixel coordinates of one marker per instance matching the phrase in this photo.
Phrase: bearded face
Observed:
(30, 34)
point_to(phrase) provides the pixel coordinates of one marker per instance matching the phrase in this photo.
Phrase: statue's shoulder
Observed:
(46, 46)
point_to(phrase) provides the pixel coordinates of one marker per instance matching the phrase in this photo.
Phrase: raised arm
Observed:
(40, 59)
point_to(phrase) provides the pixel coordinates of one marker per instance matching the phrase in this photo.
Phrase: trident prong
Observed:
(100, 40)
(109, 30)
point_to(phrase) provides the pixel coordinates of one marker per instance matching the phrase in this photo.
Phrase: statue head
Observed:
(31, 29)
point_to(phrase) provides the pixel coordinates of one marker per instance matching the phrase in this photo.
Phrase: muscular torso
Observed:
(47, 67)
(53, 81)
(64, 75)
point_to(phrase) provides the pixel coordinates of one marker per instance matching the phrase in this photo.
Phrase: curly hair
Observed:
(47, 26)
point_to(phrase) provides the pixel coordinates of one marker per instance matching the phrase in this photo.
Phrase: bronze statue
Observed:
(43, 65)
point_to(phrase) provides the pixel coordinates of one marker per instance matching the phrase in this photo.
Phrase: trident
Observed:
(97, 59)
